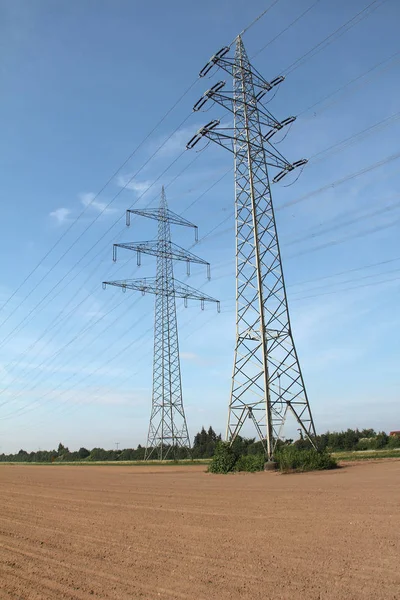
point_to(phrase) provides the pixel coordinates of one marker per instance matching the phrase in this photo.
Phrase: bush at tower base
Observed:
(291, 459)
(250, 463)
(224, 459)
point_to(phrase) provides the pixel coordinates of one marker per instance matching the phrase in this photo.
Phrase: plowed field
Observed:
(125, 532)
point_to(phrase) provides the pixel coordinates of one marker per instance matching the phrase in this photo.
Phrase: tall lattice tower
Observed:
(168, 428)
(267, 381)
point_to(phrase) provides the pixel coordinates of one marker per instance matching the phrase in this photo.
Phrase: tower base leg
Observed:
(270, 465)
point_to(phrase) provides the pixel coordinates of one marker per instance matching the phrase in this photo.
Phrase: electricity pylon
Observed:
(168, 428)
(267, 381)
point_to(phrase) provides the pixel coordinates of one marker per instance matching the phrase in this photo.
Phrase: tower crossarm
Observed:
(226, 137)
(225, 99)
(144, 285)
(182, 290)
(164, 249)
(161, 215)
(149, 285)
(221, 60)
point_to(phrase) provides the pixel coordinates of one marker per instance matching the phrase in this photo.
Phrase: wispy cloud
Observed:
(175, 143)
(88, 200)
(127, 182)
(60, 215)
(189, 356)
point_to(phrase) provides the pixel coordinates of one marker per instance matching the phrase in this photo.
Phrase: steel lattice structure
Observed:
(168, 428)
(267, 381)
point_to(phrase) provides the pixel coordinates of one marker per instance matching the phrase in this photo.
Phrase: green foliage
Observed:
(292, 459)
(204, 443)
(371, 454)
(365, 444)
(83, 453)
(224, 459)
(250, 462)
(394, 441)
(381, 440)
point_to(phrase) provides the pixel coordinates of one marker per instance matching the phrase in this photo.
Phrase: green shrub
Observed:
(250, 462)
(394, 441)
(224, 459)
(366, 444)
(292, 459)
(381, 440)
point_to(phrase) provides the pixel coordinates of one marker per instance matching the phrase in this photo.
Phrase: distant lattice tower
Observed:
(168, 428)
(267, 381)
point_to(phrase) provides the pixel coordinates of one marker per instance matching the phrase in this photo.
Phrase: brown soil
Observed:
(179, 533)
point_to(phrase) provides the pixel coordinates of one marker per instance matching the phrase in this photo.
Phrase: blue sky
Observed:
(82, 85)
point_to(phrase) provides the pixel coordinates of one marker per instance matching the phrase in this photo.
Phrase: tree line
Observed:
(204, 444)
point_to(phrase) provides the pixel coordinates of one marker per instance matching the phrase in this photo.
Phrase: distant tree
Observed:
(83, 453)
(62, 452)
(139, 453)
(367, 433)
(211, 435)
(381, 440)
(350, 439)
(204, 443)
(97, 454)
(126, 454)
(394, 441)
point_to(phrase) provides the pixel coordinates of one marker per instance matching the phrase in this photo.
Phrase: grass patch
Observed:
(291, 460)
(367, 454)
(250, 463)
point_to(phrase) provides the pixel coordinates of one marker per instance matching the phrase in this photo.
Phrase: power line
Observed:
(57, 318)
(60, 350)
(125, 162)
(324, 188)
(355, 137)
(32, 312)
(77, 262)
(369, 266)
(343, 240)
(339, 225)
(352, 280)
(356, 287)
(376, 68)
(55, 321)
(135, 174)
(305, 197)
(49, 360)
(119, 353)
(214, 227)
(286, 29)
(255, 21)
(86, 328)
(332, 37)
(215, 183)
(31, 406)
(106, 207)
(68, 409)
(104, 187)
